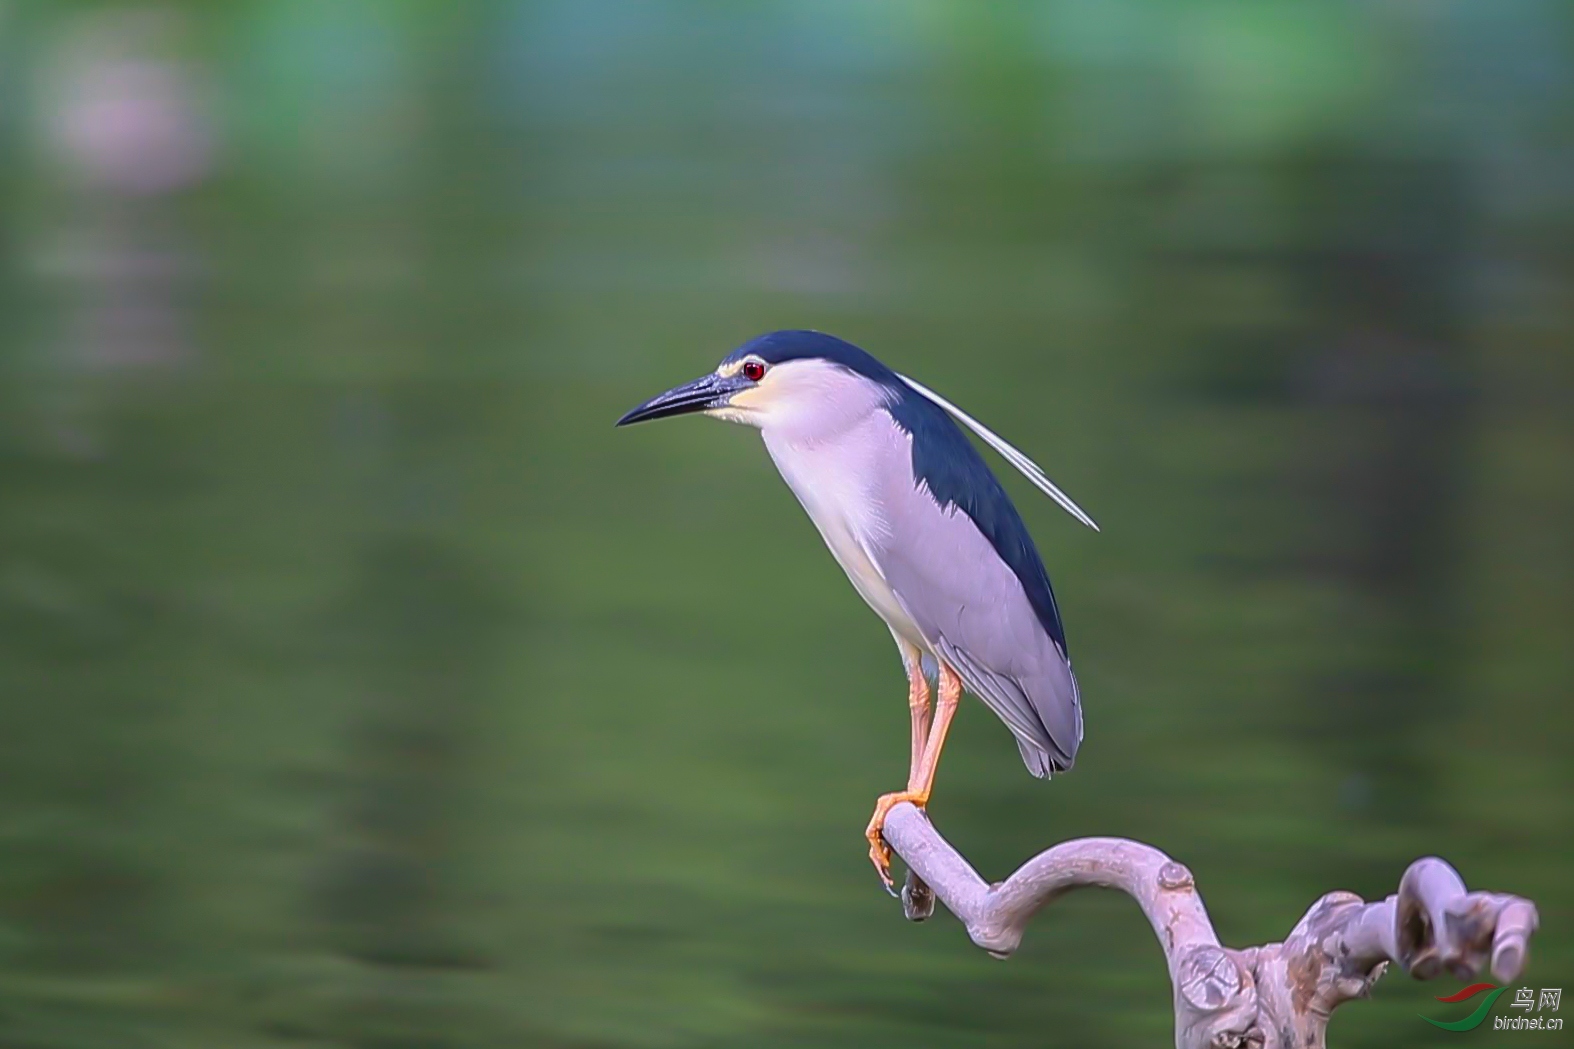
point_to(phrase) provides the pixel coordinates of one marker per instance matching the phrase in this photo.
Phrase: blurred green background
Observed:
(361, 686)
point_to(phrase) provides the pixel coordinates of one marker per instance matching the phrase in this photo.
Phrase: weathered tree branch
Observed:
(1276, 996)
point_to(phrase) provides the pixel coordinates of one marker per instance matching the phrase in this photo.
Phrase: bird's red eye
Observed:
(754, 371)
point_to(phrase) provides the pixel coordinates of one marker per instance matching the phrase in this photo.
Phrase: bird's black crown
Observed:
(802, 345)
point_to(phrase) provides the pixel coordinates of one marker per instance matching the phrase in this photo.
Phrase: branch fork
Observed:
(1274, 996)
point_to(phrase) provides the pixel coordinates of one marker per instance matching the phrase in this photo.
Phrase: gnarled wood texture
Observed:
(1276, 996)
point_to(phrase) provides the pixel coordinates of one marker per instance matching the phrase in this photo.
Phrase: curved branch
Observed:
(1275, 995)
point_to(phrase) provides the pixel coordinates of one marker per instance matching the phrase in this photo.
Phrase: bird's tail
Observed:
(1057, 700)
(1041, 763)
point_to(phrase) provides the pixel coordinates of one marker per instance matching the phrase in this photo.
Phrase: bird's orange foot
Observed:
(879, 851)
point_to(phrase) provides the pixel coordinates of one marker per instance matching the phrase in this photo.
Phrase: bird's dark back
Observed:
(951, 467)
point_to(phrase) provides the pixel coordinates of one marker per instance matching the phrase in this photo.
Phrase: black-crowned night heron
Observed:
(922, 528)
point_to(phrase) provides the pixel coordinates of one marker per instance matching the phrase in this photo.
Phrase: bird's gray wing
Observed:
(1028, 704)
(976, 616)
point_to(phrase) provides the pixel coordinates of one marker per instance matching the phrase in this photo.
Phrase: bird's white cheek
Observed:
(796, 409)
(751, 407)
(755, 398)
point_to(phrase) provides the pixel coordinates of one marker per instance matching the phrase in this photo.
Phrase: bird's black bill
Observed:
(708, 391)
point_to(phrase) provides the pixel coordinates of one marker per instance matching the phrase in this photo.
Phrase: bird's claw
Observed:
(879, 851)
(880, 856)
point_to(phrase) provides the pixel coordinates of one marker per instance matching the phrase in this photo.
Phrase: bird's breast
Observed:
(839, 483)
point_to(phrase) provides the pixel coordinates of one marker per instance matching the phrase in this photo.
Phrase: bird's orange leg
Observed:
(918, 706)
(922, 778)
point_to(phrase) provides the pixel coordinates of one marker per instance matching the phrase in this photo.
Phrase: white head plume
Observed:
(1028, 467)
